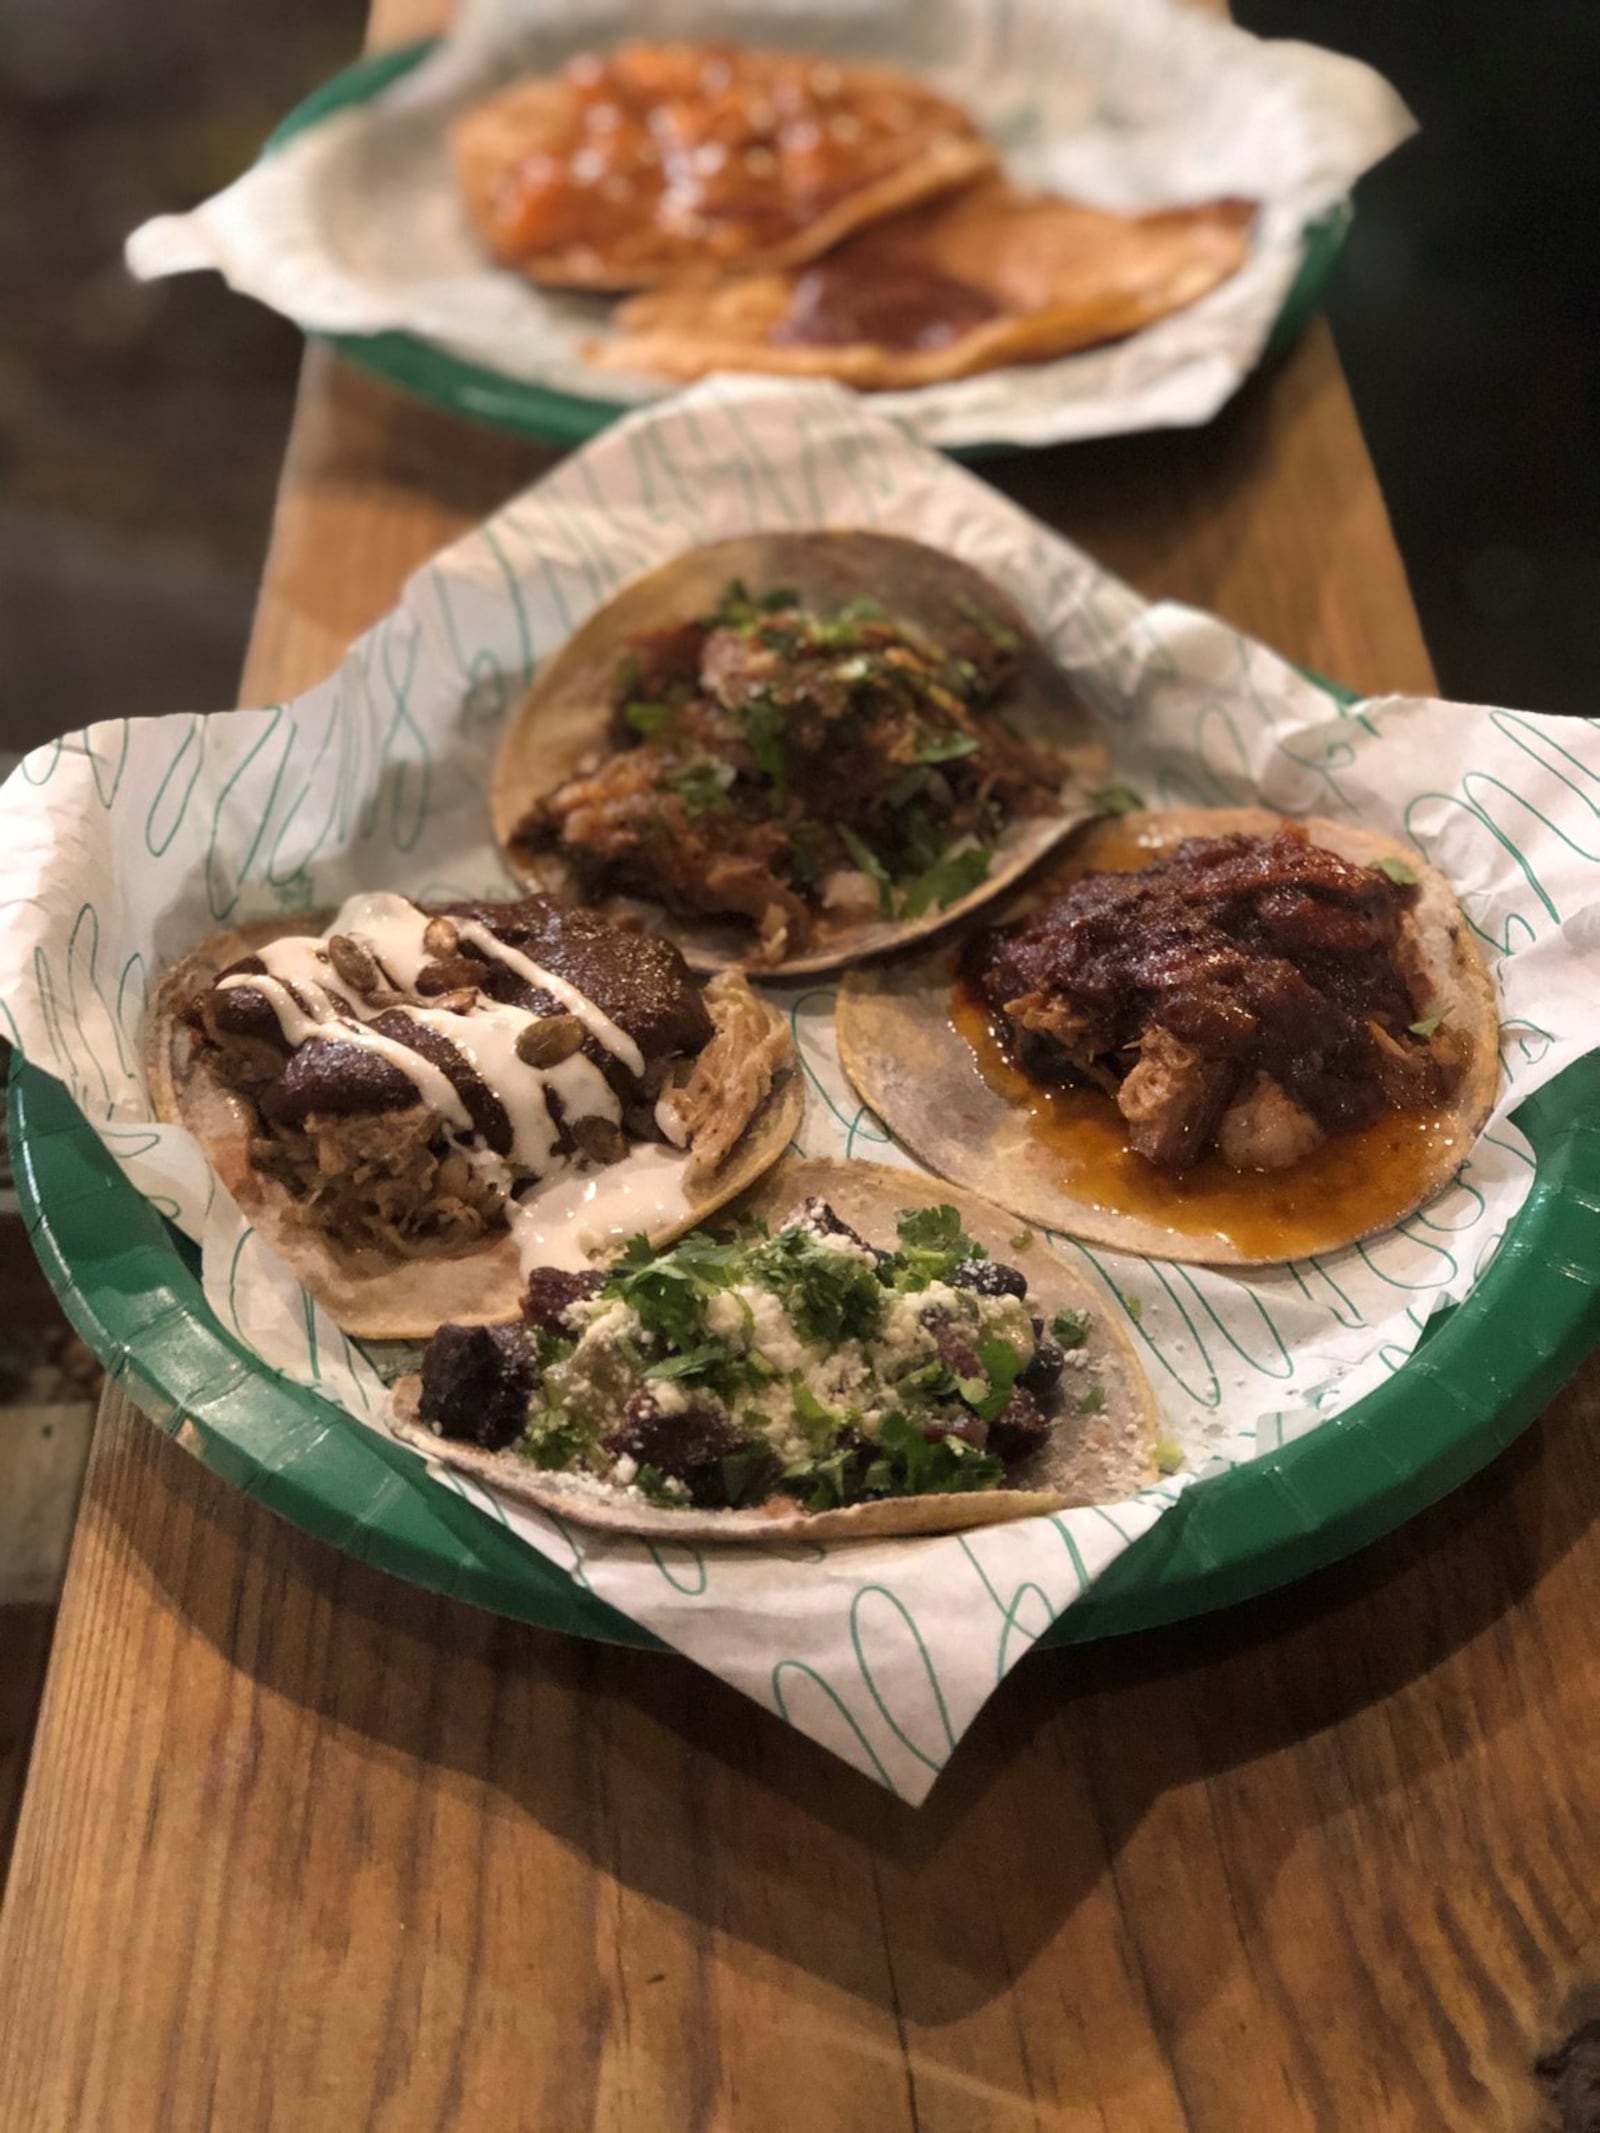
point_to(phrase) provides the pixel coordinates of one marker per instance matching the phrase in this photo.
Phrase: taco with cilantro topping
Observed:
(861, 1351)
(798, 748)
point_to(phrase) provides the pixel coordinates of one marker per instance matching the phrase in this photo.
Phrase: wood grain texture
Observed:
(303, 1848)
(306, 1848)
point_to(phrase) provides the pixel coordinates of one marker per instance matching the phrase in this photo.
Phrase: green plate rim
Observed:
(130, 1285)
(428, 372)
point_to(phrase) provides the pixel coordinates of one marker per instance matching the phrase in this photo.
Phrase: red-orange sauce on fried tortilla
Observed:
(674, 148)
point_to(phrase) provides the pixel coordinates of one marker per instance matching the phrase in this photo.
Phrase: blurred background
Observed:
(142, 428)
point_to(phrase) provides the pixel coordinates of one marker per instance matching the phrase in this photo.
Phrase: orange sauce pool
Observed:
(1353, 1184)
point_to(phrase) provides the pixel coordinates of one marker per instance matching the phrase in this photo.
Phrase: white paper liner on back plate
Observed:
(122, 847)
(354, 226)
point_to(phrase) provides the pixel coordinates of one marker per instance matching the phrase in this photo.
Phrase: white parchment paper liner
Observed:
(354, 226)
(122, 845)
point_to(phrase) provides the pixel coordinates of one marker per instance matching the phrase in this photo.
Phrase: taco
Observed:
(974, 281)
(1208, 1035)
(660, 162)
(411, 1103)
(874, 1363)
(801, 747)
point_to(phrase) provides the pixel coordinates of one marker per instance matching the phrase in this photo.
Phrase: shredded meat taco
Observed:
(410, 1102)
(988, 277)
(859, 1351)
(800, 747)
(1213, 1036)
(660, 162)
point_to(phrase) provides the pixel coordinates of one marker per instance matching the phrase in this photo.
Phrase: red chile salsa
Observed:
(1259, 994)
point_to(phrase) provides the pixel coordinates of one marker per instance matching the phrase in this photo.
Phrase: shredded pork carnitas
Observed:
(347, 1128)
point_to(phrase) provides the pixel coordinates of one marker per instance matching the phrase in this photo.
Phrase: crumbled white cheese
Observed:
(625, 1471)
(670, 1397)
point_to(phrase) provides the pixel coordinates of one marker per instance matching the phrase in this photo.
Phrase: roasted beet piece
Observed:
(987, 1277)
(1043, 1374)
(550, 1289)
(687, 1447)
(477, 1382)
(1020, 1427)
(956, 1352)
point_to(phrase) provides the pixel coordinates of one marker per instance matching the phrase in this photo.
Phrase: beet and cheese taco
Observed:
(412, 1104)
(989, 277)
(1210, 1035)
(861, 1351)
(660, 162)
(799, 747)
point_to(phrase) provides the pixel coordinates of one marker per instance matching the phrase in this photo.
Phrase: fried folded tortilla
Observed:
(988, 277)
(877, 1361)
(1292, 1055)
(803, 747)
(658, 163)
(405, 1114)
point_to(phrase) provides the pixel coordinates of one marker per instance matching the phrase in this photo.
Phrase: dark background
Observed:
(141, 428)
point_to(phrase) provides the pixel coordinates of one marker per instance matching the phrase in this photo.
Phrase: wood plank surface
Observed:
(304, 1848)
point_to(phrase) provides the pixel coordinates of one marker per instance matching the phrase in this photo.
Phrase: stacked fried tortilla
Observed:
(797, 215)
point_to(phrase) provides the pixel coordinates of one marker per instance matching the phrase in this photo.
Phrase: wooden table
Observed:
(303, 1848)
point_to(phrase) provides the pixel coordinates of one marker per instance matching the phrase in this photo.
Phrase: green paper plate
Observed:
(422, 367)
(130, 1284)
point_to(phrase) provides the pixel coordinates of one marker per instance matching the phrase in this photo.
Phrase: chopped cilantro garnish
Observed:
(1429, 1023)
(748, 1473)
(999, 634)
(699, 788)
(667, 1291)
(780, 597)
(820, 1423)
(932, 1229)
(932, 1245)
(1398, 871)
(946, 747)
(652, 1483)
(734, 606)
(553, 1439)
(931, 1381)
(763, 729)
(831, 1296)
(1168, 1455)
(704, 1360)
(1021, 1241)
(1002, 1364)
(911, 1464)
(947, 881)
(550, 1348)
(1091, 1402)
(872, 866)
(863, 609)
(904, 787)
(1117, 800)
(648, 719)
(1070, 1328)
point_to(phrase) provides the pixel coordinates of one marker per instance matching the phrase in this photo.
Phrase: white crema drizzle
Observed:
(562, 1224)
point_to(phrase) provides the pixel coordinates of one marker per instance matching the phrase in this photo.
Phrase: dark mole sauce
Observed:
(895, 303)
(1350, 1186)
